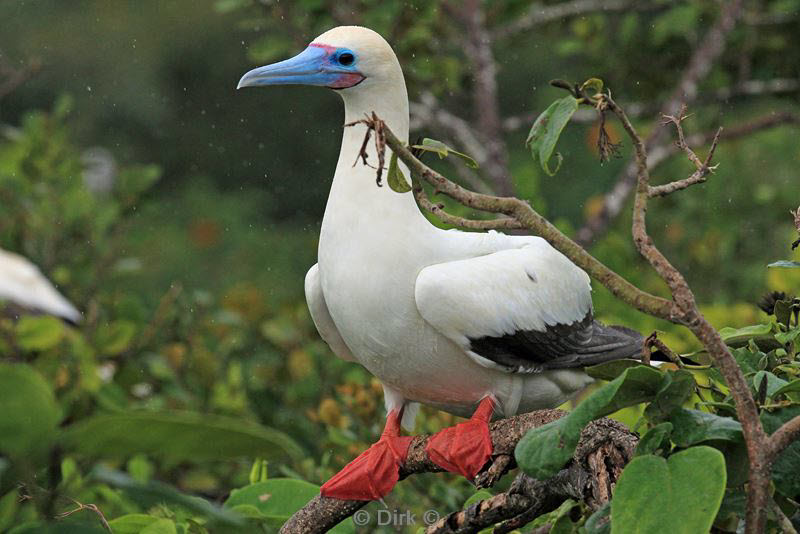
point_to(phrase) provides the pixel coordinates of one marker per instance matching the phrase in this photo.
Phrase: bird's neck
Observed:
(356, 202)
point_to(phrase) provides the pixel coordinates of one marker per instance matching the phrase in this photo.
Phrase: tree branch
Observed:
(531, 220)
(604, 449)
(539, 14)
(704, 168)
(746, 409)
(703, 58)
(478, 47)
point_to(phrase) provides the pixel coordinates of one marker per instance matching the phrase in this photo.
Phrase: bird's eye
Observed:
(346, 59)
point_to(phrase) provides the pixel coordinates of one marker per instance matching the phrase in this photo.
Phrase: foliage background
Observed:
(189, 271)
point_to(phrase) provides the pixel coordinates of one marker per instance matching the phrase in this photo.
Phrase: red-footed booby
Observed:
(477, 324)
(23, 284)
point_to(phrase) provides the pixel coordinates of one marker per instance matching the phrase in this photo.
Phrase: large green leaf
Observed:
(694, 426)
(28, 411)
(547, 129)
(610, 370)
(680, 495)
(176, 436)
(544, 450)
(275, 500)
(655, 438)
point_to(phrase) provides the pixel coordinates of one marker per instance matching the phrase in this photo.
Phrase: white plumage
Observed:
(23, 284)
(445, 318)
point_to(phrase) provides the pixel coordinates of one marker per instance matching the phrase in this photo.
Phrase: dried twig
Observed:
(91, 508)
(704, 168)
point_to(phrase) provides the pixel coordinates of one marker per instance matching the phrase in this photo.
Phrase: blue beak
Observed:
(312, 66)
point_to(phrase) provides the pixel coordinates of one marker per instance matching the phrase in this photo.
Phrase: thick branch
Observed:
(605, 448)
(322, 513)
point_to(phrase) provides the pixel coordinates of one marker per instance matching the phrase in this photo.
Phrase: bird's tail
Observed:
(607, 343)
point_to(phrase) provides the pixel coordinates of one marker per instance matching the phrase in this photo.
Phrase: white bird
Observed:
(23, 284)
(455, 320)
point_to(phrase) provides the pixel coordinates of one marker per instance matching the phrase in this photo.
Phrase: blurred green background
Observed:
(188, 265)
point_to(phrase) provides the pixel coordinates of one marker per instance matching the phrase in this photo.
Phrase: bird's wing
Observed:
(322, 317)
(520, 310)
(22, 283)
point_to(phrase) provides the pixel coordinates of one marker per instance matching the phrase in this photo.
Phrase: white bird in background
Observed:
(23, 284)
(455, 320)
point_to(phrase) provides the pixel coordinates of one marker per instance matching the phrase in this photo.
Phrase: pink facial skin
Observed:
(345, 79)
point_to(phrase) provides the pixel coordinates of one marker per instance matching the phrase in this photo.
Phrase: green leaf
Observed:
(654, 439)
(790, 387)
(547, 129)
(787, 466)
(28, 411)
(544, 450)
(736, 336)
(39, 333)
(277, 499)
(785, 263)
(175, 435)
(600, 521)
(677, 388)
(694, 426)
(141, 523)
(397, 181)
(113, 338)
(680, 495)
(153, 493)
(593, 83)
(774, 384)
(442, 150)
(610, 370)
(788, 337)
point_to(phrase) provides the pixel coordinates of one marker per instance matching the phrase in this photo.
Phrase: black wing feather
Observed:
(560, 346)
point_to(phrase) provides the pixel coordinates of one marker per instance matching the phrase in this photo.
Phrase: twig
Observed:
(700, 63)
(530, 219)
(502, 223)
(785, 523)
(90, 507)
(704, 168)
(746, 409)
(796, 215)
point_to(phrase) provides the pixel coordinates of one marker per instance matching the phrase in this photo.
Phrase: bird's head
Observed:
(347, 58)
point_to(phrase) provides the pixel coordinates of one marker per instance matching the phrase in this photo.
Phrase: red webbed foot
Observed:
(373, 474)
(466, 447)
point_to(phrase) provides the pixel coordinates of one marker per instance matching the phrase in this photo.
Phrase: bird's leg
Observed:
(466, 447)
(375, 472)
